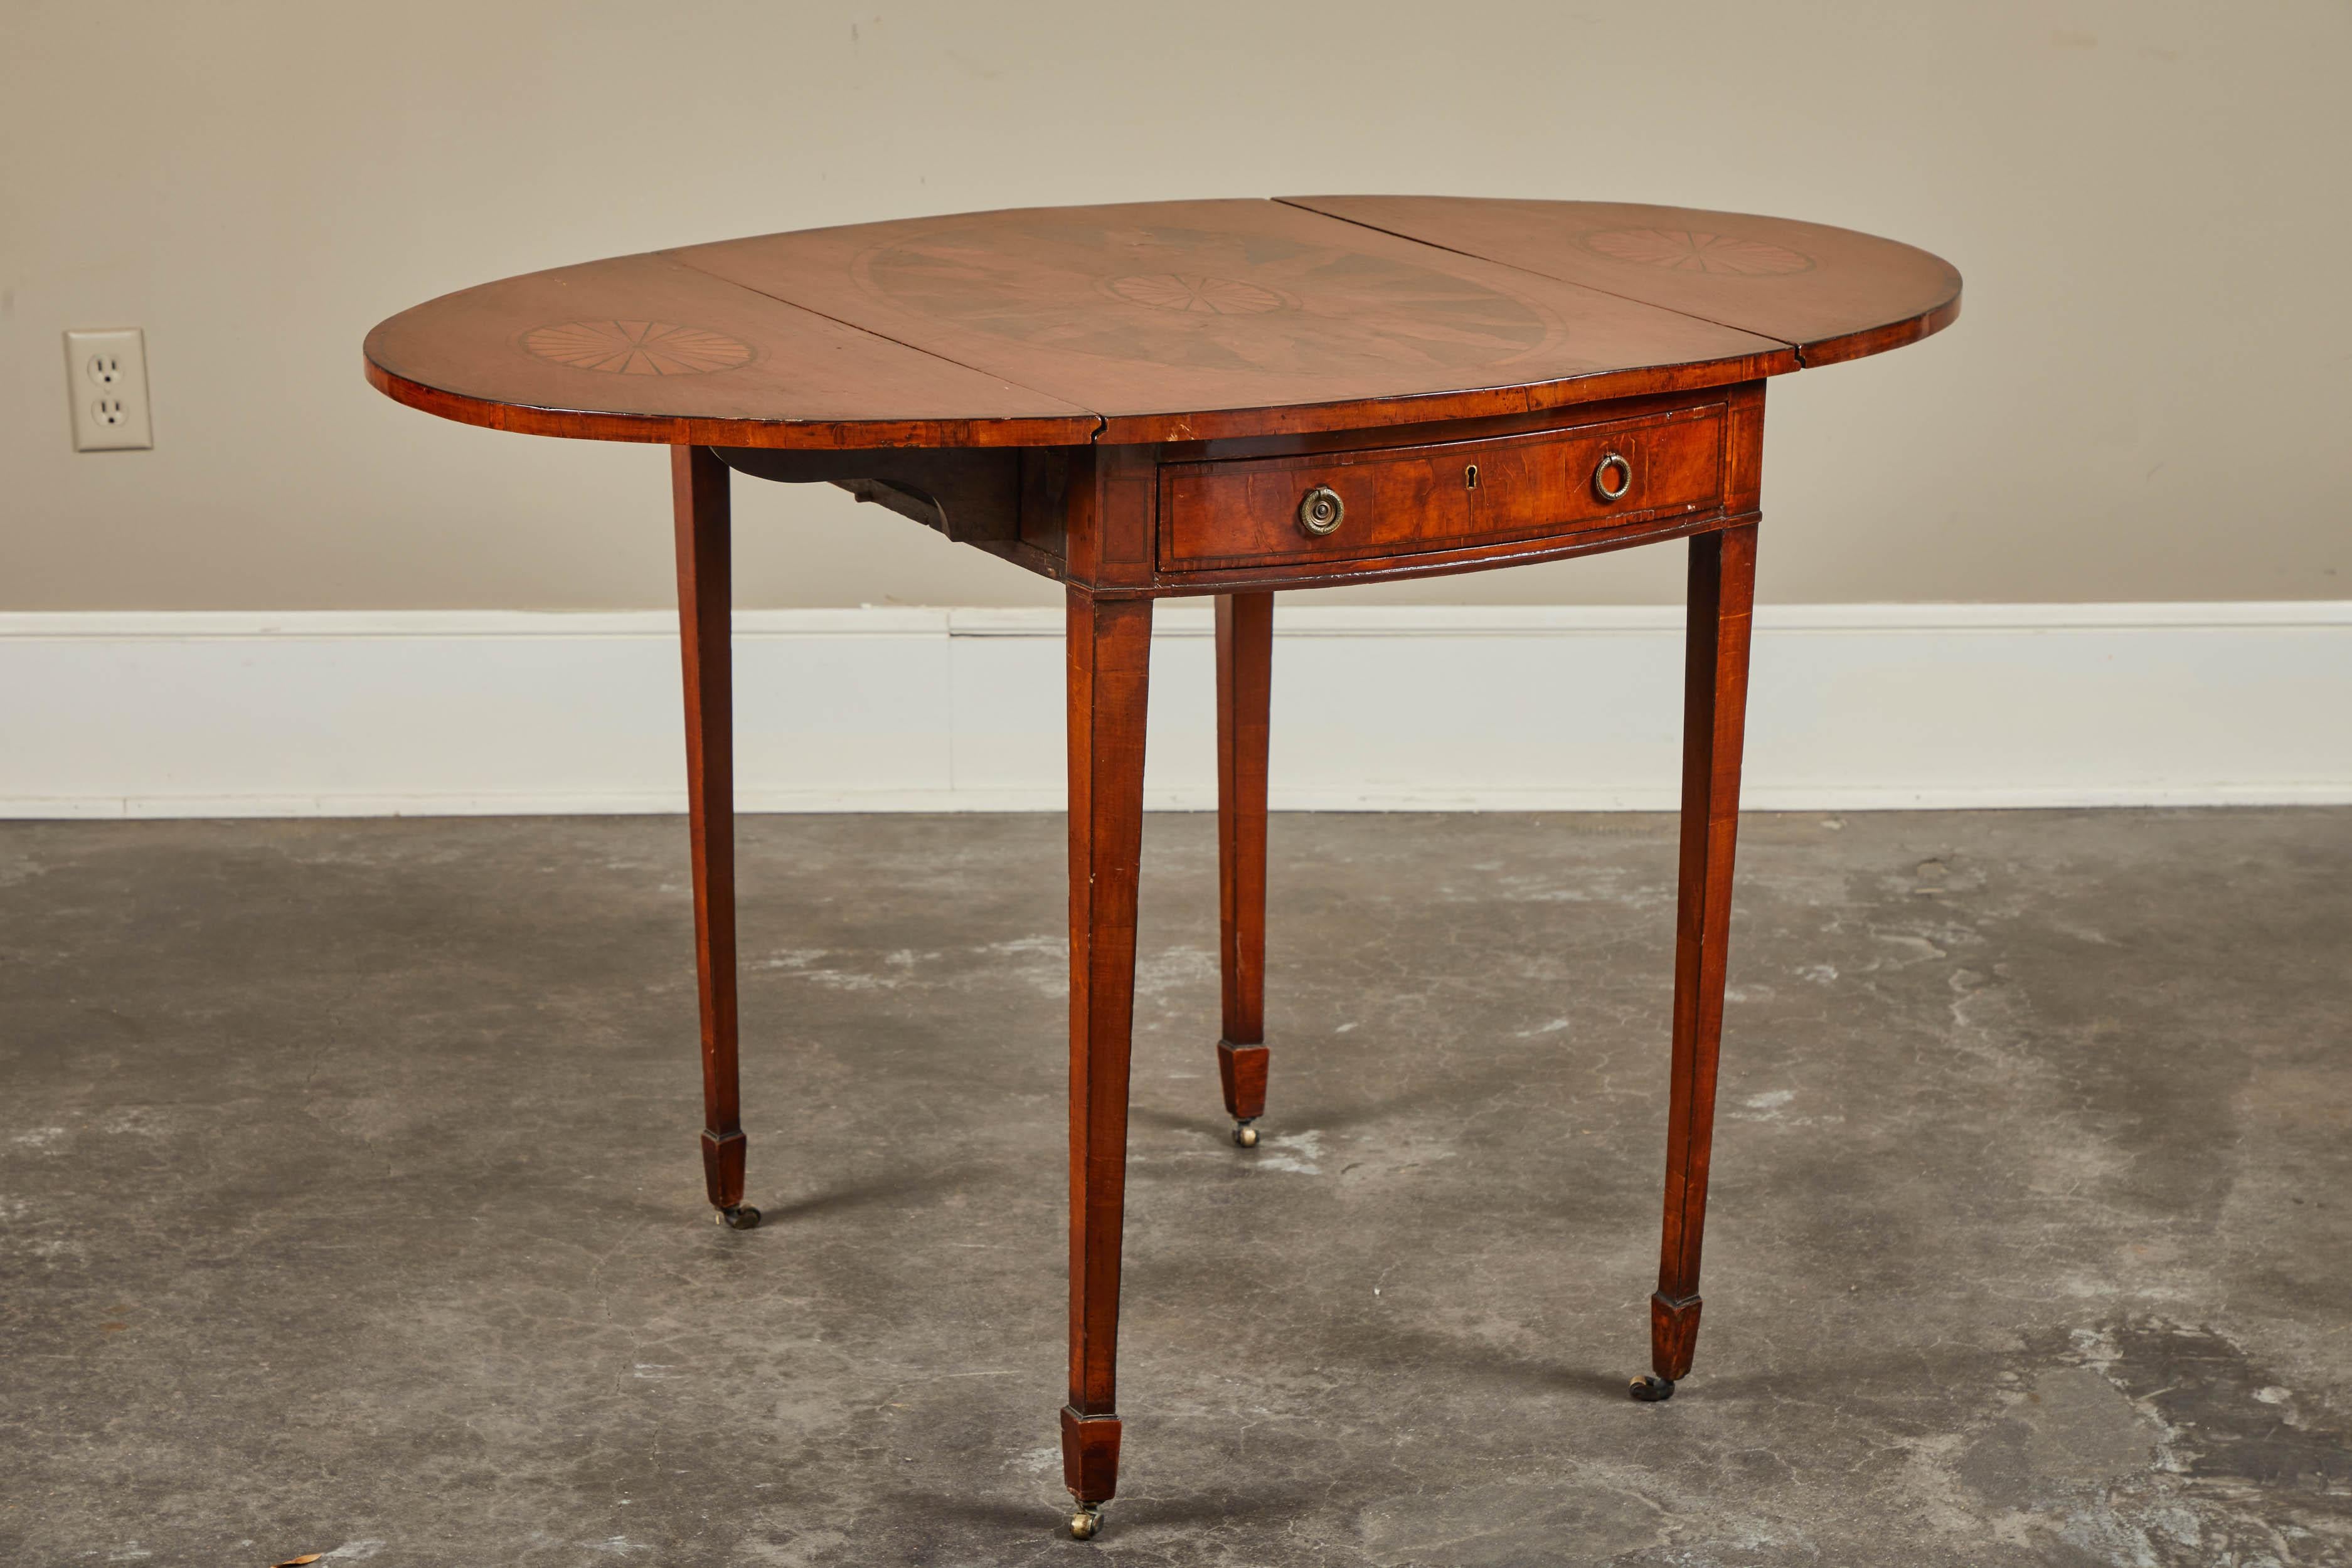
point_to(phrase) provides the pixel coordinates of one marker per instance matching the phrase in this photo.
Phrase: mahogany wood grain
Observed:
(1601, 475)
(1832, 292)
(1155, 322)
(1109, 671)
(1715, 703)
(1400, 500)
(699, 502)
(642, 348)
(1245, 711)
(1181, 319)
(1054, 482)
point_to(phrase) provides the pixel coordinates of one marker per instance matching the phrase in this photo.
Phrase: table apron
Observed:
(1410, 501)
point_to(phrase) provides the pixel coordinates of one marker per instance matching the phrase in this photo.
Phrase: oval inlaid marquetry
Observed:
(1152, 322)
(637, 348)
(1206, 295)
(1308, 306)
(1689, 250)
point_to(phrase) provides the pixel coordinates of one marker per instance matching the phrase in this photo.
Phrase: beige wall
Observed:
(2145, 398)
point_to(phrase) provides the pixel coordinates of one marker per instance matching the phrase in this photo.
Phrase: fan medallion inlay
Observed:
(1687, 250)
(637, 348)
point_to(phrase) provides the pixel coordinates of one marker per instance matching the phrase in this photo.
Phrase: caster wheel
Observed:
(742, 1217)
(1244, 1136)
(1086, 1521)
(1651, 1390)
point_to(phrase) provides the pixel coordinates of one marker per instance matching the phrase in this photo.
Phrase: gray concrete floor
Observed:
(349, 1198)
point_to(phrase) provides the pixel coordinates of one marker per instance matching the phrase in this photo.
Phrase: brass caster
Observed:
(1086, 1521)
(742, 1217)
(1651, 1389)
(1244, 1136)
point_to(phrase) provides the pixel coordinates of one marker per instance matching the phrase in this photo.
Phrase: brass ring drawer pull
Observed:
(1320, 510)
(1600, 486)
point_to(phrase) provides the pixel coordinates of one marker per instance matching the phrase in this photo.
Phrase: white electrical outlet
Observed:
(106, 382)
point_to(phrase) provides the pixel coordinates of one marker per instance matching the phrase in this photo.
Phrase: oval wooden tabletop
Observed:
(1156, 321)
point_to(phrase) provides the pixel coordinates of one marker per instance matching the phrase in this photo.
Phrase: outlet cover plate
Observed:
(106, 383)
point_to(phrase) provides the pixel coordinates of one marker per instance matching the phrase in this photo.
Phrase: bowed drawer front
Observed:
(1395, 500)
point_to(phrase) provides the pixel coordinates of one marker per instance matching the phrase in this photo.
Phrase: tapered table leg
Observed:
(1110, 661)
(1245, 694)
(698, 498)
(1714, 706)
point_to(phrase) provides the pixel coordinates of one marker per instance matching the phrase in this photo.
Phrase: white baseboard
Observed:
(1851, 707)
